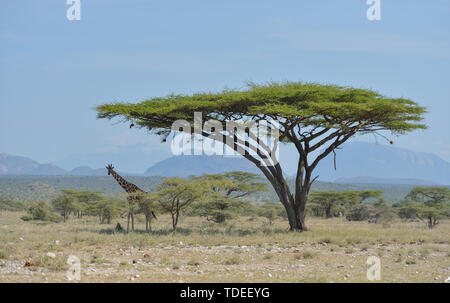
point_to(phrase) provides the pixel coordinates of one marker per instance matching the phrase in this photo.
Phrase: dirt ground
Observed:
(242, 250)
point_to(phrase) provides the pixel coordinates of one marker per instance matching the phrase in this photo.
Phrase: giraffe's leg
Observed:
(132, 221)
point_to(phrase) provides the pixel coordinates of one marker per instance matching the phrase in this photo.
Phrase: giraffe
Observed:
(131, 188)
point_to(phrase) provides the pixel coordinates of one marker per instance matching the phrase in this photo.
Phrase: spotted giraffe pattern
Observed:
(130, 188)
(127, 186)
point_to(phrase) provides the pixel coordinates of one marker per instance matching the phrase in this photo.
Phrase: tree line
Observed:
(222, 197)
(427, 204)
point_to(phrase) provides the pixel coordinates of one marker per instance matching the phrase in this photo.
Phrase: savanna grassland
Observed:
(242, 250)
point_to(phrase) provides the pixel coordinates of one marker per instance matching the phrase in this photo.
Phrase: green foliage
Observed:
(430, 196)
(30, 188)
(360, 213)
(374, 213)
(305, 103)
(54, 264)
(64, 203)
(109, 208)
(271, 211)
(22, 188)
(236, 184)
(175, 195)
(337, 203)
(81, 203)
(11, 205)
(218, 208)
(429, 204)
(222, 201)
(85, 201)
(40, 210)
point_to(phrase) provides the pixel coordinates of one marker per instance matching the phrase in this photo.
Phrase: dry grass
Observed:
(244, 250)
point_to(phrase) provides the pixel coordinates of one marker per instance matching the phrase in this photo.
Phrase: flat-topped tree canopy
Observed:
(310, 115)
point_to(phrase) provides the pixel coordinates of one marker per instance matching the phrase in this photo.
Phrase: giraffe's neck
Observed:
(127, 186)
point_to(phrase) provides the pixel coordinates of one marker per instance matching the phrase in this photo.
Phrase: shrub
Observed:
(220, 208)
(3, 255)
(234, 260)
(193, 262)
(55, 264)
(270, 211)
(360, 213)
(307, 254)
(40, 210)
(11, 205)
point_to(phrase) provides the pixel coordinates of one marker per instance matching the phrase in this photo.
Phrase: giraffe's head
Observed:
(109, 168)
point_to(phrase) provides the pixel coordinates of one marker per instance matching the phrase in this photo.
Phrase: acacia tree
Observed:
(269, 211)
(428, 204)
(85, 201)
(64, 203)
(174, 195)
(314, 117)
(337, 203)
(218, 208)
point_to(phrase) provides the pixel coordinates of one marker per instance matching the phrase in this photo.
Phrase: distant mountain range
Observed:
(372, 180)
(183, 166)
(384, 162)
(356, 163)
(17, 165)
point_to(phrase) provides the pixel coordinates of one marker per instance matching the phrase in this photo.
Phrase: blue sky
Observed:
(54, 71)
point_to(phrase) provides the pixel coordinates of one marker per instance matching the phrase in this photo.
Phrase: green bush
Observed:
(40, 210)
(360, 213)
(219, 208)
(270, 211)
(11, 205)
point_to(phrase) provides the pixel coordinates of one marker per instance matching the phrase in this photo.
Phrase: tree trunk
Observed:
(128, 223)
(296, 212)
(175, 221)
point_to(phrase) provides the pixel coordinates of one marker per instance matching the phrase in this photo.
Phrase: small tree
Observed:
(269, 211)
(419, 211)
(175, 195)
(64, 203)
(218, 208)
(338, 203)
(429, 204)
(108, 209)
(11, 205)
(326, 203)
(40, 210)
(86, 200)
